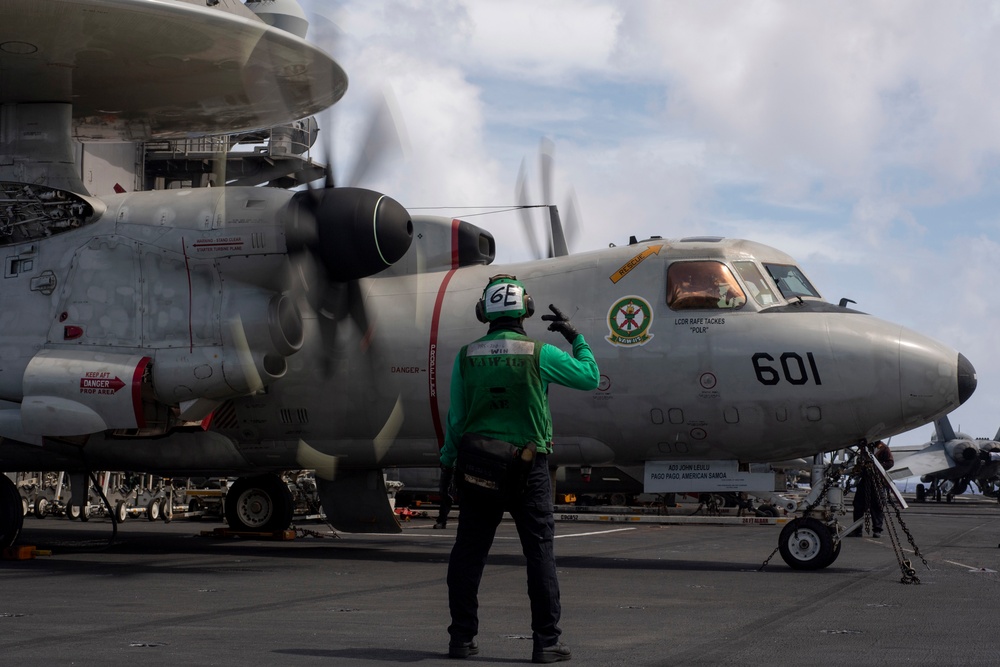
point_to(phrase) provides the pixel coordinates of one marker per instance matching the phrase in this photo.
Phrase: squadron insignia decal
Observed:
(628, 322)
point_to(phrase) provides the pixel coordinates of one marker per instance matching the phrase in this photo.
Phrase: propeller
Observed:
(338, 235)
(558, 237)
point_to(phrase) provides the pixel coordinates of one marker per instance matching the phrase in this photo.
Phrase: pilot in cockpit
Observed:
(702, 285)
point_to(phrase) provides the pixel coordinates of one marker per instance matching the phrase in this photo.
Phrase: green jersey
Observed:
(499, 388)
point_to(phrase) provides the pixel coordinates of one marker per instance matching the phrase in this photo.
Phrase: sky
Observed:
(860, 137)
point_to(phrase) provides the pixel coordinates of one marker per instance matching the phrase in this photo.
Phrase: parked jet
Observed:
(949, 463)
(245, 331)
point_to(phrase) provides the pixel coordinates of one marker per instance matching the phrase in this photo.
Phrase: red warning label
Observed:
(100, 385)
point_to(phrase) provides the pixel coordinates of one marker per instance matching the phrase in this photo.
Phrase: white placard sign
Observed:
(702, 476)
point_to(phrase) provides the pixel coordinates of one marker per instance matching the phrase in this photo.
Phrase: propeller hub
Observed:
(352, 232)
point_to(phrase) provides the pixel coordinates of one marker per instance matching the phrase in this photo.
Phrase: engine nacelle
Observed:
(961, 451)
(259, 330)
(353, 232)
(78, 392)
(441, 244)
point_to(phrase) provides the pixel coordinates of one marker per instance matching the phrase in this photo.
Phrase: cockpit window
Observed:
(756, 283)
(703, 285)
(790, 281)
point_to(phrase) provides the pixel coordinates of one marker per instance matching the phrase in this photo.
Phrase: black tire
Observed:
(73, 512)
(921, 493)
(766, 510)
(11, 513)
(836, 552)
(806, 544)
(41, 507)
(153, 509)
(261, 503)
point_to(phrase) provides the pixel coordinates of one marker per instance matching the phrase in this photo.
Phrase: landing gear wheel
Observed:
(11, 514)
(41, 508)
(922, 493)
(261, 503)
(806, 544)
(73, 512)
(121, 511)
(24, 506)
(85, 512)
(153, 509)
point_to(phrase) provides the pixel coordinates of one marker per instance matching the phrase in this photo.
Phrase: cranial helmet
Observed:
(504, 296)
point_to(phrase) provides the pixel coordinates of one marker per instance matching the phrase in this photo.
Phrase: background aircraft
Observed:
(948, 463)
(244, 331)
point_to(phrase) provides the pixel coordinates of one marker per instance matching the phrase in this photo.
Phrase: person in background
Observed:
(866, 496)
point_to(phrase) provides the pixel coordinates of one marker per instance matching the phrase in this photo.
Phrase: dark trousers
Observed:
(444, 489)
(531, 509)
(866, 496)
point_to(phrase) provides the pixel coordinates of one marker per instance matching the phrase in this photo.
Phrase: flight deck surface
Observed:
(640, 594)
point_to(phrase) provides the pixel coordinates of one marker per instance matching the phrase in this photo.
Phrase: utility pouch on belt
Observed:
(493, 465)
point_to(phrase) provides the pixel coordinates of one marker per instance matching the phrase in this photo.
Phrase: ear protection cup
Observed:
(481, 311)
(529, 305)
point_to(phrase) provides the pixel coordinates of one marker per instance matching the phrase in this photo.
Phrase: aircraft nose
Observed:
(966, 378)
(934, 379)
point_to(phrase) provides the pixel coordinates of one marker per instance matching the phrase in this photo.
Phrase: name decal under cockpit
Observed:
(698, 325)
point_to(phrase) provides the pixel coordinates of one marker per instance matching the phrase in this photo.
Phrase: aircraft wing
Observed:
(929, 460)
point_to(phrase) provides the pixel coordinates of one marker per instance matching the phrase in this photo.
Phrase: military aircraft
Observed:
(249, 330)
(949, 463)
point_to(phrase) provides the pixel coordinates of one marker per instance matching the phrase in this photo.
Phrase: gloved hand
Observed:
(561, 324)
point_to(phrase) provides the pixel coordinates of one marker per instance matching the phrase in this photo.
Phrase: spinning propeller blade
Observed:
(558, 236)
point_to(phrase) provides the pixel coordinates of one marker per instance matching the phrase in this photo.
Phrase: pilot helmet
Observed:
(504, 296)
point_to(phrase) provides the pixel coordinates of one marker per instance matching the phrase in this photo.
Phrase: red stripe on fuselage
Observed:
(140, 370)
(432, 348)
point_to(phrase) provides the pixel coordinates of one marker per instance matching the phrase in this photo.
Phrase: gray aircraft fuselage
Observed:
(162, 336)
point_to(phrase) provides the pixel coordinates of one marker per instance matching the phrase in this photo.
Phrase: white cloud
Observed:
(546, 40)
(849, 88)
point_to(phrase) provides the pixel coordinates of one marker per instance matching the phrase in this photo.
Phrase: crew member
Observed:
(499, 395)
(866, 496)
